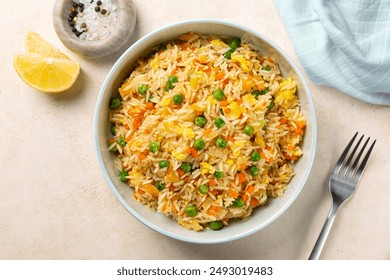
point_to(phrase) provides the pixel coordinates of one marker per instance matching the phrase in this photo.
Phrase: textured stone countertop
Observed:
(55, 203)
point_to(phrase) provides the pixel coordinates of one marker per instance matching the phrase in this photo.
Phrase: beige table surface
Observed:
(55, 203)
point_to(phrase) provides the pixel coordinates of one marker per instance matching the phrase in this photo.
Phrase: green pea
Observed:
(171, 80)
(150, 98)
(218, 94)
(142, 89)
(186, 167)
(254, 171)
(238, 202)
(113, 129)
(122, 141)
(271, 105)
(115, 103)
(264, 91)
(266, 68)
(191, 211)
(220, 142)
(164, 164)
(219, 122)
(218, 174)
(255, 156)
(154, 147)
(199, 144)
(228, 54)
(234, 44)
(200, 121)
(248, 130)
(178, 99)
(203, 189)
(123, 175)
(160, 186)
(216, 225)
(257, 93)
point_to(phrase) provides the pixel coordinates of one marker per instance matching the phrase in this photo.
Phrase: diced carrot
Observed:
(233, 193)
(244, 197)
(142, 156)
(243, 166)
(300, 124)
(111, 140)
(186, 151)
(149, 106)
(126, 126)
(215, 192)
(223, 103)
(207, 131)
(212, 182)
(128, 138)
(283, 121)
(220, 75)
(215, 208)
(241, 177)
(230, 139)
(140, 191)
(254, 202)
(194, 152)
(199, 113)
(181, 172)
(299, 131)
(250, 189)
(227, 111)
(290, 148)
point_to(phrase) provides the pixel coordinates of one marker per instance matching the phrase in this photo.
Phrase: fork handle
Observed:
(316, 252)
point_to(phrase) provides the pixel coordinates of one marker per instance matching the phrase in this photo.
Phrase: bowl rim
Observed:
(276, 214)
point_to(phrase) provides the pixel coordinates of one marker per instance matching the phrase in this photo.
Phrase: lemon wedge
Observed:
(44, 67)
(47, 74)
(34, 43)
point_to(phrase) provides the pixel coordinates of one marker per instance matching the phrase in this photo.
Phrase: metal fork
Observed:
(343, 181)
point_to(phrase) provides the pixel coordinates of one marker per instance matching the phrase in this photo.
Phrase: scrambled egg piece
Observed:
(178, 155)
(166, 100)
(155, 63)
(245, 64)
(206, 168)
(212, 100)
(286, 96)
(233, 110)
(171, 127)
(249, 99)
(259, 140)
(196, 78)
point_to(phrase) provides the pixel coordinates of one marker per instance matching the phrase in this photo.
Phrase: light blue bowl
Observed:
(260, 218)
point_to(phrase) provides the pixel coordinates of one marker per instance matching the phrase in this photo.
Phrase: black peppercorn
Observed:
(75, 4)
(103, 11)
(83, 25)
(73, 11)
(97, 9)
(99, 3)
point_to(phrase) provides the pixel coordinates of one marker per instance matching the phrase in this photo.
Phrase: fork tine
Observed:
(347, 164)
(362, 166)
(355, 163)
(339, 163)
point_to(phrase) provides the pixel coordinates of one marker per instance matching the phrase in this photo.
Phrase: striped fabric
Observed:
(343, 44)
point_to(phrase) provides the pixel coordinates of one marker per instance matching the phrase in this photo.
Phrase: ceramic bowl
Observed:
(109, 45)
(159, 222)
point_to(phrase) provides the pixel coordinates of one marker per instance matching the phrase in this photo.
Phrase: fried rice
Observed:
(206, 130)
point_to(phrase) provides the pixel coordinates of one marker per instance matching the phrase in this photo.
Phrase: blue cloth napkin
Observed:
(343, 44)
